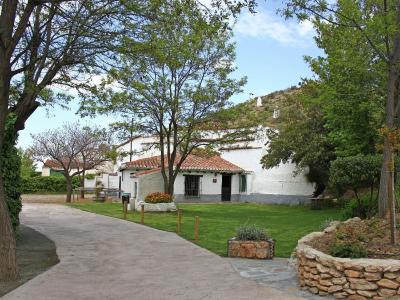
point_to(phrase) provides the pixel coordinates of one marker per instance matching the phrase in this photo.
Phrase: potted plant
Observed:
(251, 241)
(99, 194)
(158, 202)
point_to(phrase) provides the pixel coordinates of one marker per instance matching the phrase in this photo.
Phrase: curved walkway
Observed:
(107, 258)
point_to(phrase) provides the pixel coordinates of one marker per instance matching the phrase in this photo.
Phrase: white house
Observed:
(106, 173)
(236, 175)
(276, 185)
(200, 179)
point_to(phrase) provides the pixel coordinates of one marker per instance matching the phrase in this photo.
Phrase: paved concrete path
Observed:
(276, 273)
(107, 258)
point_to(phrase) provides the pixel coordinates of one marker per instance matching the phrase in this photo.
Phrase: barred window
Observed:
(192, 185)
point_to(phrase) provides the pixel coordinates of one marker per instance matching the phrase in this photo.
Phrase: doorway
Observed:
(226, 187)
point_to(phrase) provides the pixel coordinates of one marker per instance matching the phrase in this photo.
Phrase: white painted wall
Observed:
(207, 186)
(127, 183)
(209, 190)
(45, 171)
(278, 181)
(109, 181)
(149, 183)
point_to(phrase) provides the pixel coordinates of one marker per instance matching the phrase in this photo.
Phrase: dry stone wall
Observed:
(345, 278)
(251, 249)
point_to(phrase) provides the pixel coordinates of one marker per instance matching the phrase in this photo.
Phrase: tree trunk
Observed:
(383, 185)
(82, 185)
(69, 189)
(8, 257)
(389, 140)
(171, 187)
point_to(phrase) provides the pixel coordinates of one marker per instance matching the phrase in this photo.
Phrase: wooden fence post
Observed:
(142, 215)
(125, 209)
(196, 228)
(179, 221)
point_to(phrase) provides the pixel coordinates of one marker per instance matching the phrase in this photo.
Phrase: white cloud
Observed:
(264, 25)
(305, 28)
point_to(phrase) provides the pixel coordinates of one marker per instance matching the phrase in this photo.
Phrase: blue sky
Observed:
(270, 53)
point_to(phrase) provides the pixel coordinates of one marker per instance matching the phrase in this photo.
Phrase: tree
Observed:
(173, 75)
(75, 149)
(301, 137)
(352, 84)
(10, 169)
(28, 165)
(44, 44)
(379, 25)
(356, 172)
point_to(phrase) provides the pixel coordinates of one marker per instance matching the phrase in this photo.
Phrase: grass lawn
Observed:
(218, 222)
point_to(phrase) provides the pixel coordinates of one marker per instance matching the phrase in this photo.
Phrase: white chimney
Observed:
(259, 102)
(276, 113)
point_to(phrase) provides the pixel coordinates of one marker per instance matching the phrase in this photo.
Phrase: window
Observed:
(242, 183)
(192, 185)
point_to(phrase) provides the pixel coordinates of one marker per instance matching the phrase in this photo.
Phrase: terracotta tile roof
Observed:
(191, 163)
(145, 163)
(145, 172)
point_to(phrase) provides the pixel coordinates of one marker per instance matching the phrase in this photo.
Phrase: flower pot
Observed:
(251, 249)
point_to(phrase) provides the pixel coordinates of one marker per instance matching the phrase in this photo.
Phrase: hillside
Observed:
(252, 112)
(263, 111)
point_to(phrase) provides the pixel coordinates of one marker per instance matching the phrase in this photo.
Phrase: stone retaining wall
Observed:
(345, 278)
(251, 249)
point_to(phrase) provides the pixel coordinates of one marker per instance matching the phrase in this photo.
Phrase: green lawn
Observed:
(218, 222)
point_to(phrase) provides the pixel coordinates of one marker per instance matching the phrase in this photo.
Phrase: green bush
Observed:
(12, 184)
(251, 233)
(11, 168)
(365, 207)
(348, 250)
(90, 176)
(46, 184)
(355, 173)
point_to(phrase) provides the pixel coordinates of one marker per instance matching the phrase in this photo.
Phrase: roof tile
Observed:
(191, 163)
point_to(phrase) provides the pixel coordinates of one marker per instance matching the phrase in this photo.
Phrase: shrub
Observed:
(90, 176)
(356, 172)
(12, 183)
(364, 207)
(49, 184)
(348, 250)
(11, 169)
(158, 198)
(251, 233)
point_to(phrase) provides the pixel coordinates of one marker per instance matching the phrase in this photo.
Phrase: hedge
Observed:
(46, 184)
(11, 166)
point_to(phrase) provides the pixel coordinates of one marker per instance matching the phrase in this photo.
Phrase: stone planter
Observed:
(345, 278)
(156, 207)
(251, 249)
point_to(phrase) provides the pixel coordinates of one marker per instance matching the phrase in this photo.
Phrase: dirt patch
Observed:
(373, 235)
(58, 199)
(35, 254)
(33, 198)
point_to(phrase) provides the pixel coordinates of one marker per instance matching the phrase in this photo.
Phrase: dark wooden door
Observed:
(226, 187)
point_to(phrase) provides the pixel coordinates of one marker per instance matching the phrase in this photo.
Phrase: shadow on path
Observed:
(35, 254)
